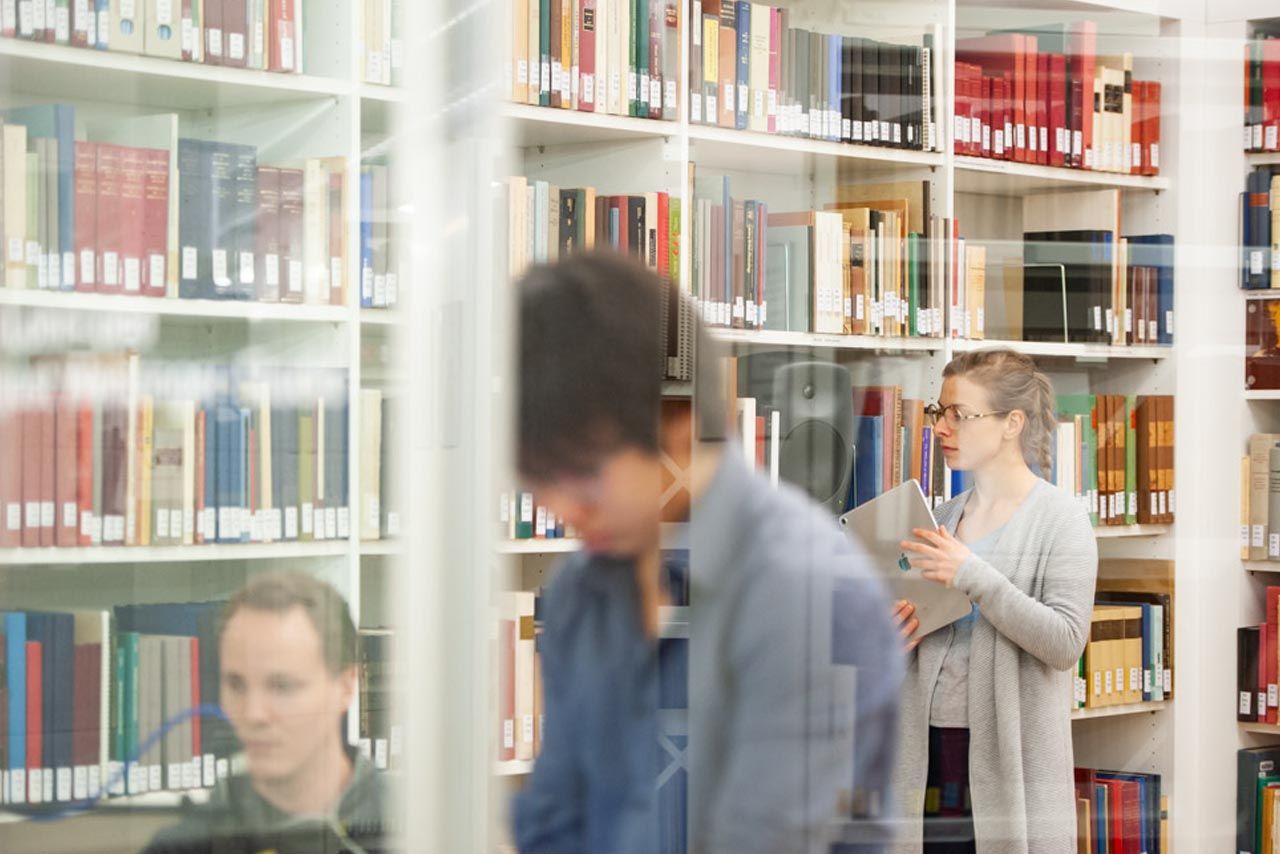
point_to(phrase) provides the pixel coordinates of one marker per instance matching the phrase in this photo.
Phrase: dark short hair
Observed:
(592, 351)
(279, 592)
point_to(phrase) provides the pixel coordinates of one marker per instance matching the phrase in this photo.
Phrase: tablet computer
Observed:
(879, 526)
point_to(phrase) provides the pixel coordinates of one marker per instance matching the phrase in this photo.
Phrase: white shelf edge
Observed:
(1060, 175)
(1259, 728)
(1118, 711)
(150, 800)
(1261, 293)
(381, 547)
(589, 121)
(1263, 394)
(159, 67)
(169, 307)
(1260, 158)
(1261, 565)
(767, 338)
(1116, 532)
(169, 554)
(380, 92)
(538, 547)
(513, 768)
(380, 317)
(1067, 351)
(817, 147)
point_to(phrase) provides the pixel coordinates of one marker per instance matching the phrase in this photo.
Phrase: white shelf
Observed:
(1261, 565)
(1262, 293)
(539, 547)
(677, 389)
(379, 317)
(535, 126)
(1263, 394)
(1055, 350)
(378, 92)
(59, 72)
(381, 547)
(200, 309)
(1104, 532)
(1261, 158)
(151, 800)
(1259, 728)
(513, 768)
(1118, 711)
(729, 148)
(765, 338)
(171, 554)
(1005, 177)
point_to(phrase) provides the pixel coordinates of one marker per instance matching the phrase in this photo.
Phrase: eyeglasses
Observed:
(953, 416)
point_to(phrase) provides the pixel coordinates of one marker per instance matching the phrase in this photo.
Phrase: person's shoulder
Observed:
(194, 832)
(1059, 510)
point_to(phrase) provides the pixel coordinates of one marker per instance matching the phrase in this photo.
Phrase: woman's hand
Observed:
(939, 556)
(904, 617)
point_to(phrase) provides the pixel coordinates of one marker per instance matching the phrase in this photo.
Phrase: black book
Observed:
(871, 90)
(1247, 644)
(854, 46)
(1253, 765)
(914, 134)
(195, 220)
(568, 222)
(637, 232)
(1066, 286)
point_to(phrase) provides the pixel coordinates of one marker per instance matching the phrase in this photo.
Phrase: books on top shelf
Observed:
(1120, 811)
(381, 41)
(1128, 654)
(1115, 454)
(1260, 228)
(1260, 509)
(379, 240)
(106, 450)
(127, 207)
(619, 57)
(522, 516)
(750, 68)
(1044, 96)
(1262, 92)
(1256, 665)
(381, 734)
(260, 34)
(873, 262)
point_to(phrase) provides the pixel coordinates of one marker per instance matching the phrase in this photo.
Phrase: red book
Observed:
(760, 444)
(1059, 132)
(290, 224)
(196, 741)
(972, 108)
(35, 714)
(1137, 150)
(1078, 112)
(214, 40)
(1265, 642)
(266, 255)
(337, 245)
(587, 84)
(188, 26)
(506, 690)
(111, 224)
(11, 455)
(235, 32)
(86, 182)
(133, 179)
(775, 67)
(1273, 620)
(1082, 52)
(284, 35)
(1042, 107)
(1270, 94)
(31, 446)
(84, 473)
(200, 439)
(1151, 133)
(1031, 99)
(155, 221)
(985, 115)
(66, 475)
(964, 113)
(87, 693)
(663, 234)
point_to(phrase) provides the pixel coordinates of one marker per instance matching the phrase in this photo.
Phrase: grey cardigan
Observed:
(1035, 605)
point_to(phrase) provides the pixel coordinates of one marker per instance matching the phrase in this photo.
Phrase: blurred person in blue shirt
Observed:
(793, 664)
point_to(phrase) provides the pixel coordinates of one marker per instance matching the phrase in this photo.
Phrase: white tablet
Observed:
(880, 526)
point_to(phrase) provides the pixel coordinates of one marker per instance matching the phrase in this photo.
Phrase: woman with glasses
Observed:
(985, 757)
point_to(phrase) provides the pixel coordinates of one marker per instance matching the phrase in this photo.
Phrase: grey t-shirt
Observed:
(950, 705)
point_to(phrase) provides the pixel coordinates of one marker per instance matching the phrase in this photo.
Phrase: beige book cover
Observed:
(1260, 445)
(128, 22)
(370, 455)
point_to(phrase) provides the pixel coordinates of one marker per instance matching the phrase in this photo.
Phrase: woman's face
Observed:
(969, 443)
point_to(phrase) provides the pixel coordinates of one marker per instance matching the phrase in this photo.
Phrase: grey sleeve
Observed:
(1053, 628)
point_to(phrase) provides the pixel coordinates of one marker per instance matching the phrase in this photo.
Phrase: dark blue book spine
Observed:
(228, 424)
(62, 670)
(246, 221)
(15, 634)
(40, 630)
(195, 239)
(366, 239)
(741, 93)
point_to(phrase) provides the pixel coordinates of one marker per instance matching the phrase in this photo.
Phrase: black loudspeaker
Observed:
(816, 404)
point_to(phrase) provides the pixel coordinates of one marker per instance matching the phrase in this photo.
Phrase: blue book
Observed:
(613, 228)
(868, 457)
(1101, 819)
(1156, 250)
(57, 122)
(102, 12)
(741, 93)
(56, 634)
(15, 637)
(366, 239)
(242, 238)
(195, 220)
(926, 461)
(228, 429)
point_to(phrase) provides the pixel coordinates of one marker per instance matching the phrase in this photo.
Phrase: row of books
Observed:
(1260, 498)
(871, 263)
(381, 43)
(546, 222)
(1115, 454)
(1128, 658)
(751, 68)
(619, 57)
(104, 702)
(141, 212)
(520, 706)
(522, 516)
(380, 260)
(1262, 93)
(380, 516)
(261, 34)
(381, 734)
(1257, 796)
(1044, 96)
(140, 460)
(1256, 665)
(1119, 812)
(1260, 228)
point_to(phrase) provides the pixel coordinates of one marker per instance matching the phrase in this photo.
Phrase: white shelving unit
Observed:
(1119, 711)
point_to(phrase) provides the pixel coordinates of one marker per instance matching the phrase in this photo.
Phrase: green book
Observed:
(128, 683)
(1085, 405)
(524, 516)
(544, 48)
(641, 19)
(638, 13)
(1130, 460)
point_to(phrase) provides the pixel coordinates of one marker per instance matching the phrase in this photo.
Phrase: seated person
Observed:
(287, 650)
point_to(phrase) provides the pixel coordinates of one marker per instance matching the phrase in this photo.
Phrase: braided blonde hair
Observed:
(1013, 381)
